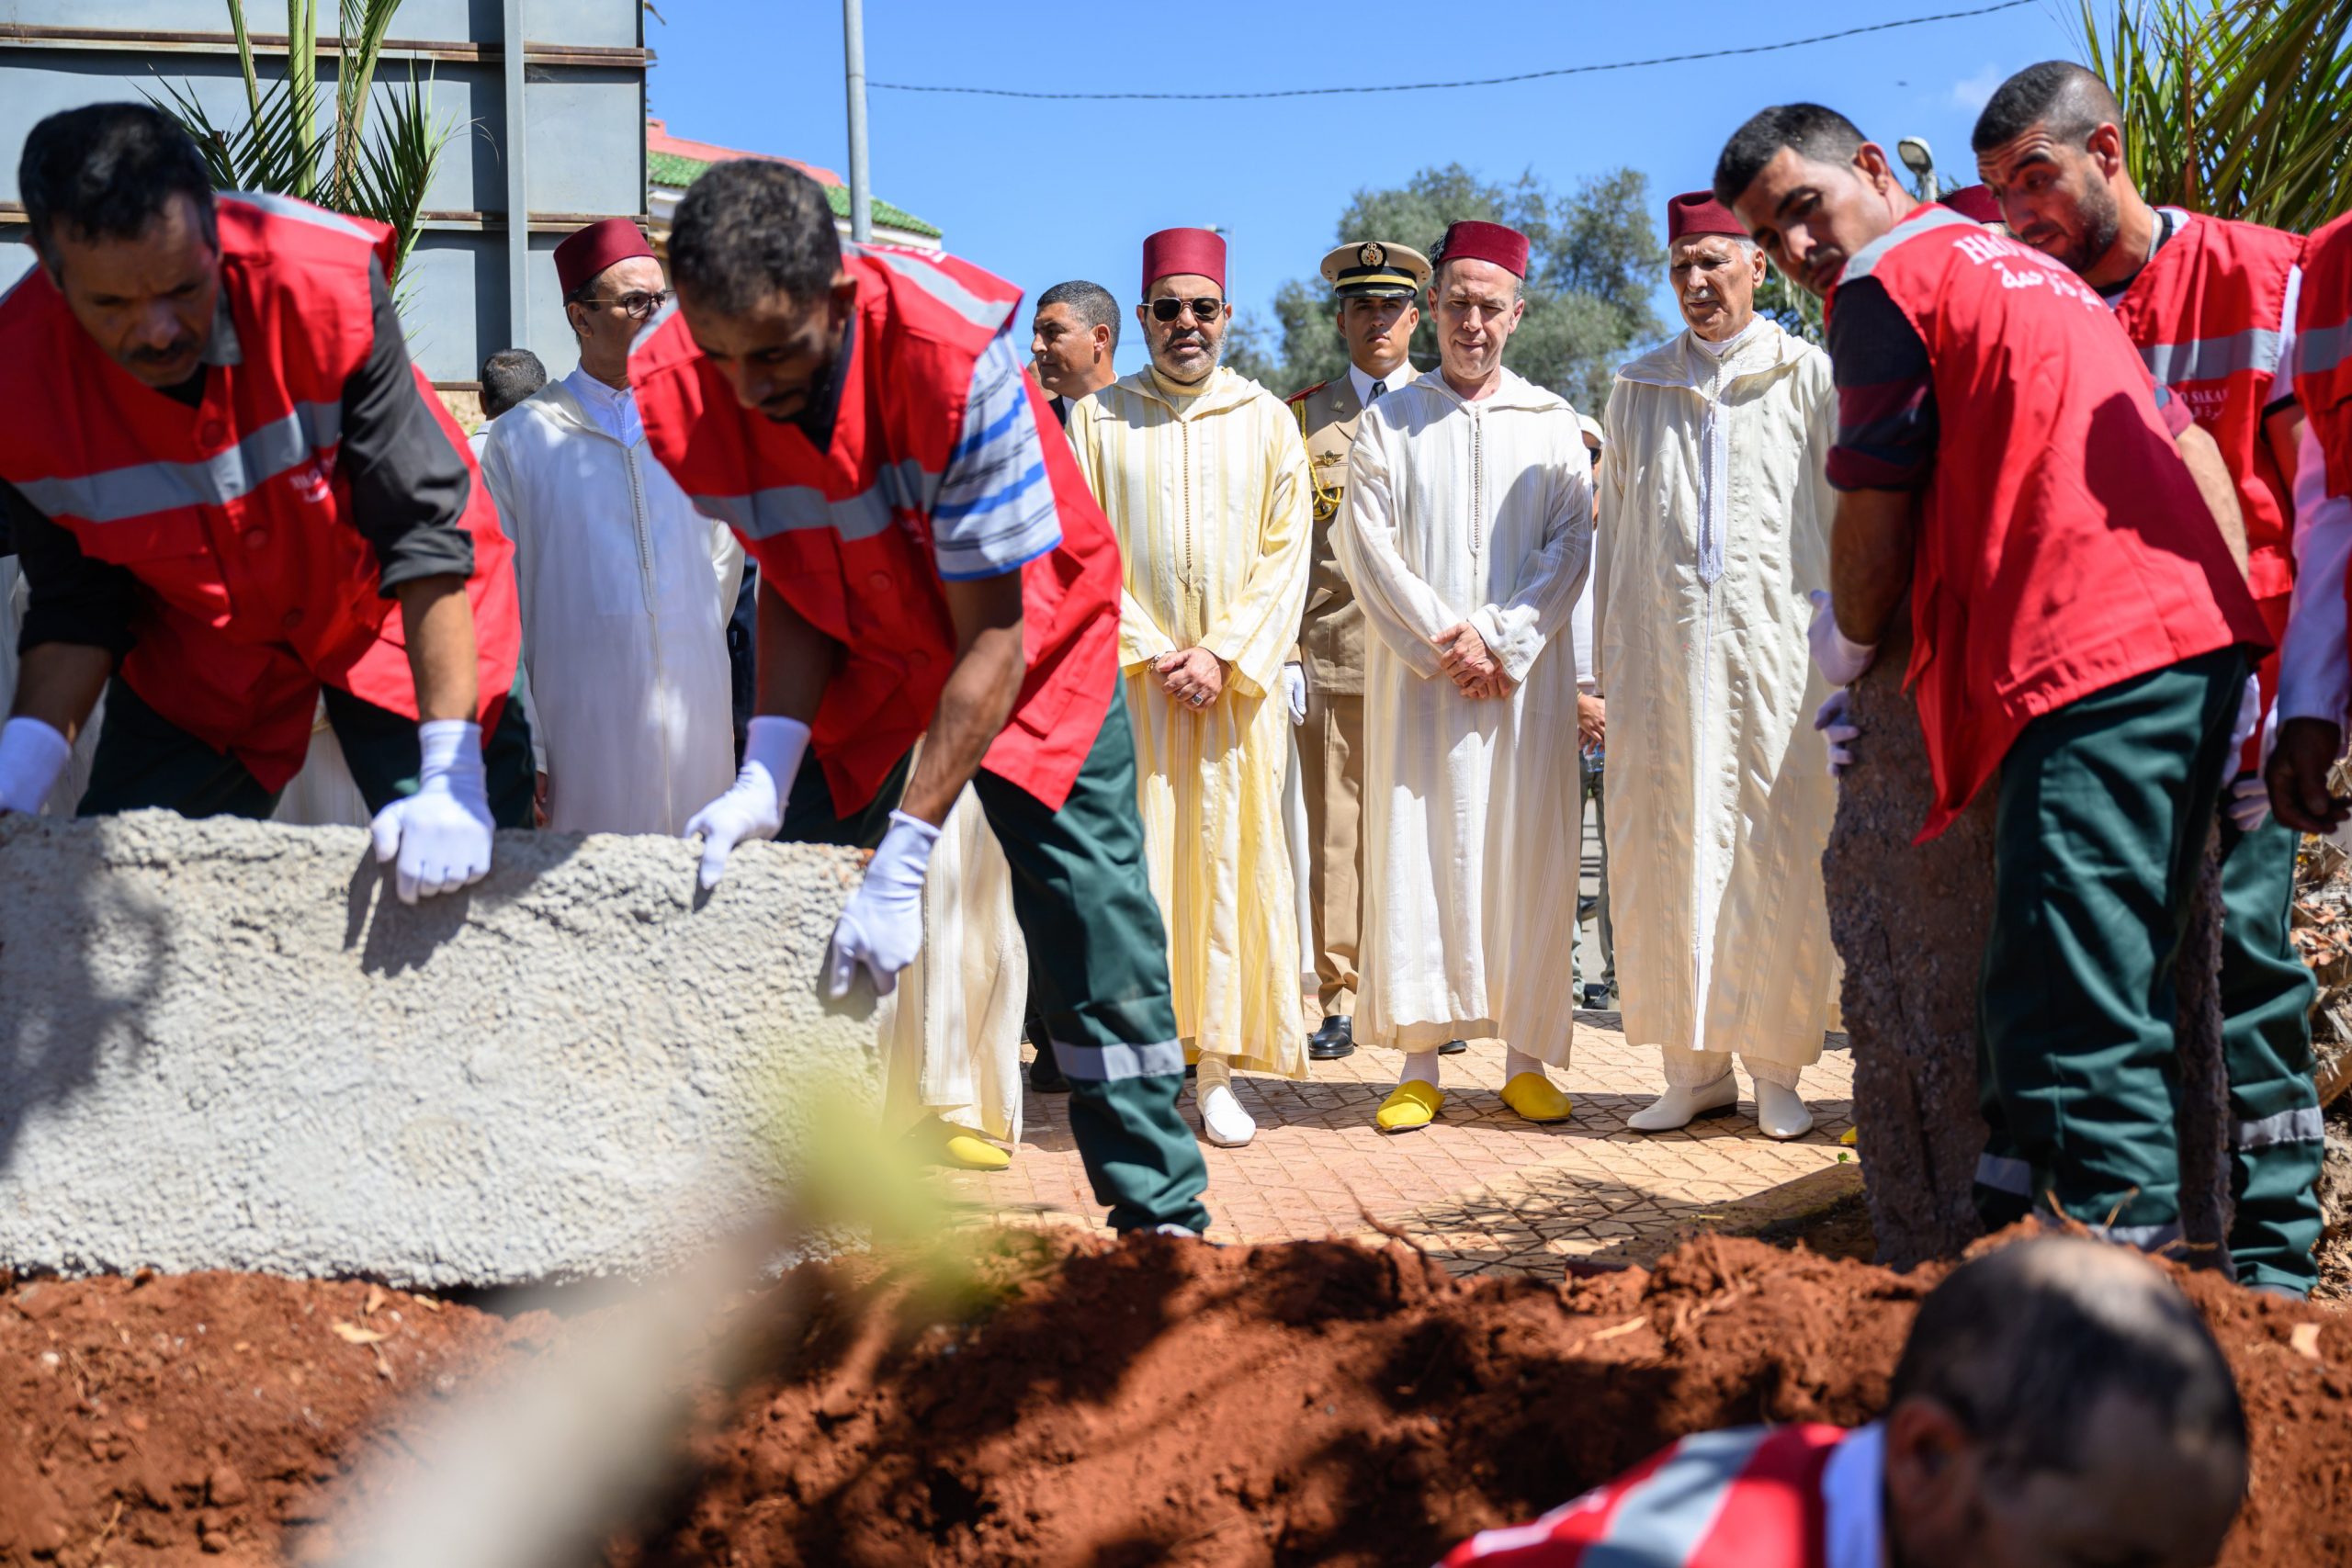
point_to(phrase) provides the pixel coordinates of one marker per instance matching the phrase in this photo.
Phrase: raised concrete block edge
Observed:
(226, 1045)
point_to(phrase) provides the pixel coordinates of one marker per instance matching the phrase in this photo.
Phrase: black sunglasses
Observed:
(1203, 310)
(639, 305)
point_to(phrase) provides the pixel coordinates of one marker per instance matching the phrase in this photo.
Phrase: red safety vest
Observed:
(2207, 314)
(2063, 546)
(235, 516)
(1749, 1498)
(845, 534)
(2323, 348)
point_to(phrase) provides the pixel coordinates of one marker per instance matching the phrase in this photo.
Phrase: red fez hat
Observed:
(1469, 239)
(590, 251)
(1174, 251)
(1698, 212)
(1976, 203)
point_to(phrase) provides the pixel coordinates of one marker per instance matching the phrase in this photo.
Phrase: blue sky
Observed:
(1040, 192)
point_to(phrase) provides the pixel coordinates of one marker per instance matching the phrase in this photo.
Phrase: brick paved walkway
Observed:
(1481, 1190)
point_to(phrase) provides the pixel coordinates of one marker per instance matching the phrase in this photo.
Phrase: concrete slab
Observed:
(226, 1045)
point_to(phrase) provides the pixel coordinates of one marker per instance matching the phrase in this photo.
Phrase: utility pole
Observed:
(861, 187)
(518, 187)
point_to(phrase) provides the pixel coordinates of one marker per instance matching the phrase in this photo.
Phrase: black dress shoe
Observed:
(1334, 1039)
(1453, 1048)
(1045, 1073)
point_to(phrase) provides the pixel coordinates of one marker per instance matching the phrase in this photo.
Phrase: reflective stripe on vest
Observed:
(2213, 359)
(2319, 350)
(903, 485)
(1665, 1517)
(943, 287)
(309, 433)
(300, 212)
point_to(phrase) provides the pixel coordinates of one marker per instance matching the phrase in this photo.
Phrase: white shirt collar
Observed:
(1722, 350)
(1853, 1500)
(1363, 383)
(612, 408)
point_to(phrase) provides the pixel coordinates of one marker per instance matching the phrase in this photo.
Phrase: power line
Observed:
(1477, 81)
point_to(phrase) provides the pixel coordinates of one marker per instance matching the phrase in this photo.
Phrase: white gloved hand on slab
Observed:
(881, 930)
(753, 806)
(1837, 729)
(440, 836)
(32, 755)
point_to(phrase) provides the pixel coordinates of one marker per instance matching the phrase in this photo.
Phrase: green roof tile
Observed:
(670, 169)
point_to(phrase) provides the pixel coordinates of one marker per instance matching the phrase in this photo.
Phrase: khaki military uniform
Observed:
(1331, 743)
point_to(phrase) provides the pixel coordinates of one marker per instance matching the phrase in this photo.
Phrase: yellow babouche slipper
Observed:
(1409, 1107)
(975, 1153)
(1846, 1138)
(950, 1144)
(1537, 1098)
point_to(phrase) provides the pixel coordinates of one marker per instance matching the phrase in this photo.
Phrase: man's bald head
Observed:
(2058, 94)
(2056, 1392)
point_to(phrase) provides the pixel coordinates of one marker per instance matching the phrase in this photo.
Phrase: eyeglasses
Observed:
(1203, 310)
(639, 305)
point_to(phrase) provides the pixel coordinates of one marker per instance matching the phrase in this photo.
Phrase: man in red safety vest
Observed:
(2315, 664)
(930, 567)
(2083, 636)
(230, 493)
(2210, 303)
(2057, 1402)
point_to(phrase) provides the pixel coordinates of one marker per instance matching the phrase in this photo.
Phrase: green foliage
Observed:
(1594, 259)
(1798, 312)
(277, 147)
(2235, 108)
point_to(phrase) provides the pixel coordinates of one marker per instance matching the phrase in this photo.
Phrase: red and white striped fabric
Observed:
(1747, 1498)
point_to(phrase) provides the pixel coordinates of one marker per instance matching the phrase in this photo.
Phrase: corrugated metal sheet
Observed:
(583, 124)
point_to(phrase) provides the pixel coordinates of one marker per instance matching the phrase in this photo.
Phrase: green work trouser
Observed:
(1098, 965)
(2277, 1137)
(145, 759)
(2098, 840)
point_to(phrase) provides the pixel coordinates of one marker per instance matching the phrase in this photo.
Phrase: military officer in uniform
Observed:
(1373, 284)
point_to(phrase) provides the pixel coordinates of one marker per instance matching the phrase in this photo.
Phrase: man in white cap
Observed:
(1714, 526)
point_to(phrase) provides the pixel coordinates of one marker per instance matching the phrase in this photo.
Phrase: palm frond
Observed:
(302, 77)
(2235, 108)
(245, 55)
(364, 24)
(277, 148)
(392, 172)
(265, 152)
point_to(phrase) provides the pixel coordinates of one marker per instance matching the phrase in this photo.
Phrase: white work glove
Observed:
(1295, 689)
(2249, 803)
(2249, 715)
(1840, 657)
(882, 928)
(32, 754)
(753, 806)
(1838, 729)
(440, 835)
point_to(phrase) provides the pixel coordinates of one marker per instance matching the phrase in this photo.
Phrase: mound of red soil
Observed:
(1319, 1403)
(1148, 1402)
(142, 1420)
